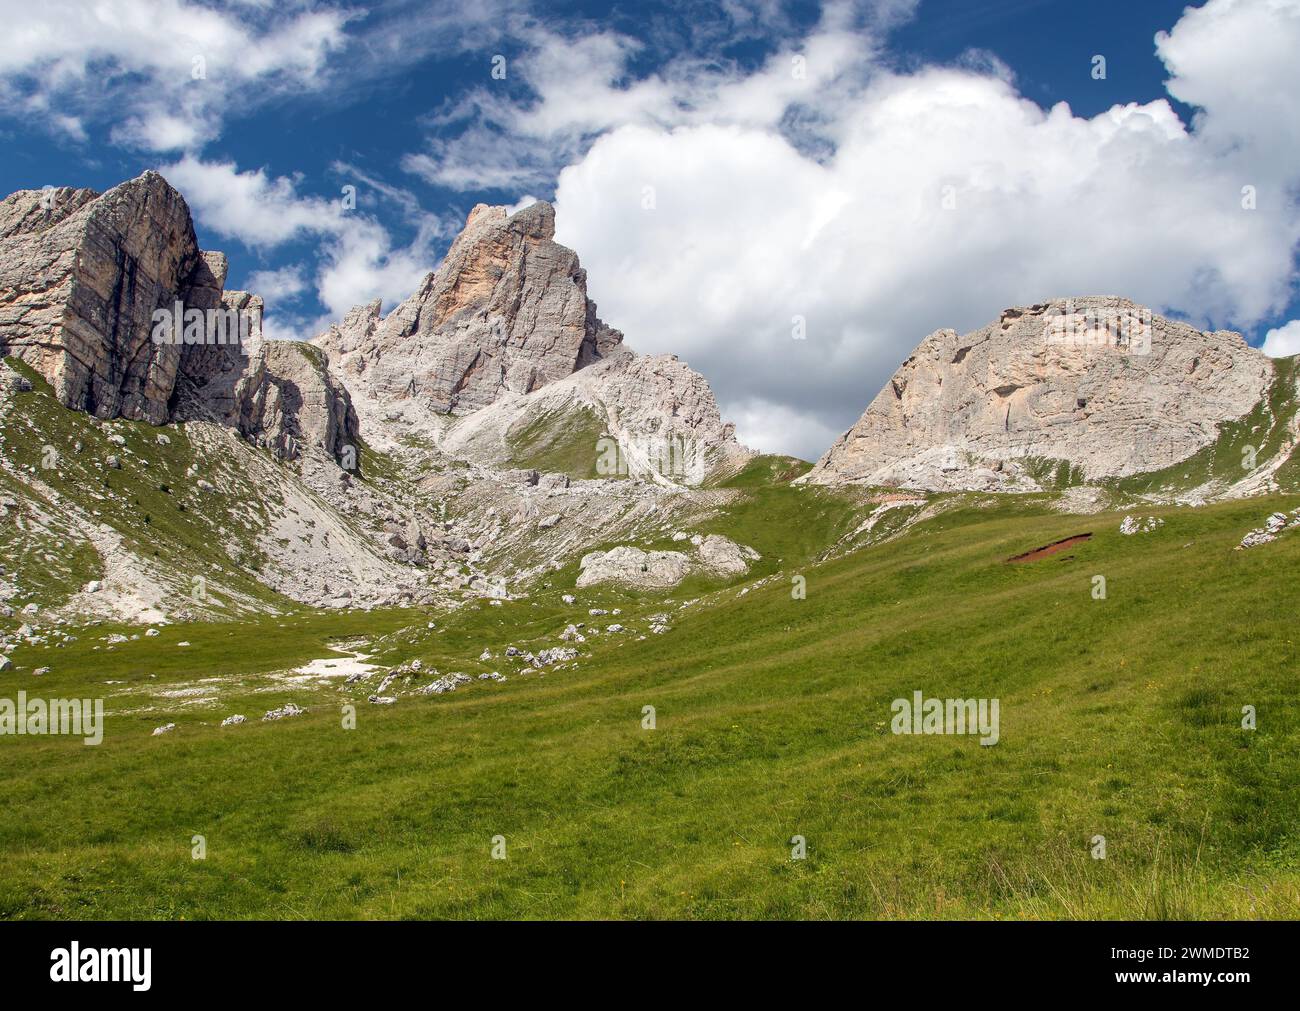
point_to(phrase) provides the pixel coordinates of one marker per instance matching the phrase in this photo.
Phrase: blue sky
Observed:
(715, 188)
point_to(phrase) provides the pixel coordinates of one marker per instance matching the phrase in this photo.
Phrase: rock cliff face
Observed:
(209, 373)
(506, 312)
(661, 414)
(287, 401)
(80, 277)
(503, 338)
(1098, 382)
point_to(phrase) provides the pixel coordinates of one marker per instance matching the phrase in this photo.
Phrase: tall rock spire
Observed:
(506, 311)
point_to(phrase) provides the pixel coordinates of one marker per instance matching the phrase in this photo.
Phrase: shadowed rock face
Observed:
(507, 311)
(80, 277)
(209, 373)
(1099, 382)
(288, 401)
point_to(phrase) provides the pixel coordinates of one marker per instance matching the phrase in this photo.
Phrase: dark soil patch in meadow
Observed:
(1056, 547)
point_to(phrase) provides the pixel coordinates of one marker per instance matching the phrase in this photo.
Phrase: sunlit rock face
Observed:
(506, 312)
(1098, 382)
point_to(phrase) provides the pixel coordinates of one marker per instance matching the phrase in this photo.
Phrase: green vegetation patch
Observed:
(559, 443)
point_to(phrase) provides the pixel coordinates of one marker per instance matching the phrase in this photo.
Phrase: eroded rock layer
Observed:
(1099, 383)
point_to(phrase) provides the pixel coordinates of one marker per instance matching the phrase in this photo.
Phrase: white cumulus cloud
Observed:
(1283, 341)
(359, 259)
(163, 71)
(906, 202)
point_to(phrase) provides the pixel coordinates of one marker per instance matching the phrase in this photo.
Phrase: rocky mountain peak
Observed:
(536, 221)
(506, 311)
(1100, 383)
(83, 273)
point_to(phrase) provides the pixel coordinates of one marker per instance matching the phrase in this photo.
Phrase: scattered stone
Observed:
(164, 729)
(557, 654)
(288, 709)
(13, 382)
(1272, 528)
(724, 556)
(1140, 525)
(446, 683)
(381, 700)
(629, 566)
(233, 721)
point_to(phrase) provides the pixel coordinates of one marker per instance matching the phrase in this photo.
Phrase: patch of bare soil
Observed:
(1056, 547)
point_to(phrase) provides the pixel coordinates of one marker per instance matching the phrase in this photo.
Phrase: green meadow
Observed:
(1120, 718)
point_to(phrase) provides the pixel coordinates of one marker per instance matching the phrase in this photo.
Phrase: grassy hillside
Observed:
(559, 443)
(1119, 717)
(152, 500)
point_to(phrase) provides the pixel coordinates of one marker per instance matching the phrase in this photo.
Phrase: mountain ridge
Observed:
(1099, 384)
(329, 478)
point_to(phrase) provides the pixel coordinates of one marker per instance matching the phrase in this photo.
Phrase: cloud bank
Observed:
(933, 199)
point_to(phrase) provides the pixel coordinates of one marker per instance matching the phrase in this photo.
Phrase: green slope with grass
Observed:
(1120, 717)
(558, 443)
